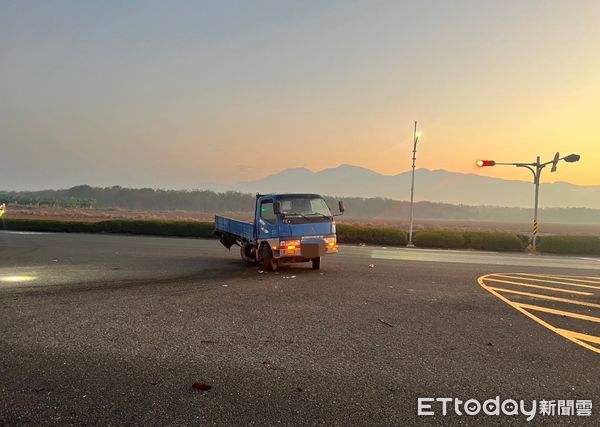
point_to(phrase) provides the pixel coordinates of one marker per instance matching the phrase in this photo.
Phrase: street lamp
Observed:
(536, 169)
(412, 187)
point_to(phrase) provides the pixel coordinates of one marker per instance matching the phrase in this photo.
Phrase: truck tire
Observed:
(316, 263)
(269, 263)
(247, 253)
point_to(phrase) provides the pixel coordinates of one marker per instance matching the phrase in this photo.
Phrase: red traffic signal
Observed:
(483, 163)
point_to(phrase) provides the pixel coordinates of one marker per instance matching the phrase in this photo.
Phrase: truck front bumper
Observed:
(308, 248)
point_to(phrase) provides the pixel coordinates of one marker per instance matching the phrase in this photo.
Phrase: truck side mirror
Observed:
(341, 206)
(277, 208)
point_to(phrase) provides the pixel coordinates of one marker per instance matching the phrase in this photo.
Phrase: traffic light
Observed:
(555, 162)
(483, 163)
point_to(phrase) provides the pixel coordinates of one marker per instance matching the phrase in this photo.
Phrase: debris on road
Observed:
(261, 271)
(201, 386)
(371, 265)
(386, 323)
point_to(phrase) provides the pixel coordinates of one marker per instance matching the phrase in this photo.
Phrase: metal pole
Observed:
(538, 172)
(536, 169)
(412, 189)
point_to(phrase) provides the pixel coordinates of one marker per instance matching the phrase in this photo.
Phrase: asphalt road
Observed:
(104, 329)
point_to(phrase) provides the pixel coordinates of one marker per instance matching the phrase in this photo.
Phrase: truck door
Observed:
(266, 226)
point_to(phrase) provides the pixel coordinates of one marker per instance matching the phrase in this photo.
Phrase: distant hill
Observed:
(431, 185)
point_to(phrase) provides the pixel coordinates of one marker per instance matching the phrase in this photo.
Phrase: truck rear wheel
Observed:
(269, 263)
(316, 263)
(247, 253)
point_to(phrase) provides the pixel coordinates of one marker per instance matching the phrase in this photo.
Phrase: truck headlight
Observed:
(286, 243)
(289, 246)
(330, 242)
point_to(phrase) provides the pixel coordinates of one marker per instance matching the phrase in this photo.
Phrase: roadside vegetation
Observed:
(482, 241)
(575, 245)
(150, 228)
(371, 235)
(355, 234)
(87, 197)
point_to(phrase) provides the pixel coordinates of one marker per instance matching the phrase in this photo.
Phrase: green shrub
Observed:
(525, 239)
(159, 228)
(440, 239)
(49, 226)
(487, 241)
(155, 228)
(371, 235)
(389, 236)
(582, 245)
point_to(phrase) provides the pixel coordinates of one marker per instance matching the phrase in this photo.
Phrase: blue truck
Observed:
(286, 228)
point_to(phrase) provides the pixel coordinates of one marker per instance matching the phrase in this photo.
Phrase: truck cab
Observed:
(286, 228)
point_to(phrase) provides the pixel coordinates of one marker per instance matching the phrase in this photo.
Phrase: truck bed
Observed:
(236, 227)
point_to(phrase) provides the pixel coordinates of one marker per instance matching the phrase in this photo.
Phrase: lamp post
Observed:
(536, 169)
(412, 187)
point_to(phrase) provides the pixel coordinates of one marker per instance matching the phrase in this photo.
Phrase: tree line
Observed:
(207, 201)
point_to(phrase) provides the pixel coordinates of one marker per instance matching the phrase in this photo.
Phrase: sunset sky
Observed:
(177, 94)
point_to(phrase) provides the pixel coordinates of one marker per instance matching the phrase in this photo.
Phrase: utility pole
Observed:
(412, 187)
(536, 169)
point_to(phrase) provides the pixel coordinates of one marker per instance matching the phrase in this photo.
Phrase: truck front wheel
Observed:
(269, 263)
(316, 263)
(248, 251)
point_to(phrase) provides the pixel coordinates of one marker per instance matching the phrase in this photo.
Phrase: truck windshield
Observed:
(305, 207)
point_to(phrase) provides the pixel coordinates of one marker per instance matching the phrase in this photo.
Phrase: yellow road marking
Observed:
(558, 312)
(592, 279)
(548, 281)
(528, 294)
(580, 336)
(561, 332)
(529, 285)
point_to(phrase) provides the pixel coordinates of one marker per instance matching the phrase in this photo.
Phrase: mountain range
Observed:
(430, 185)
